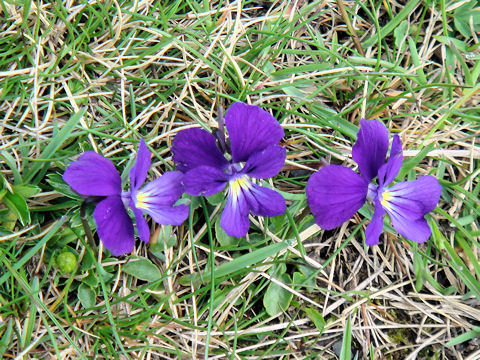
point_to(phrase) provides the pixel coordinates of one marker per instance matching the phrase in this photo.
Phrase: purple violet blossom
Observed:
(94, 176)
(335, 192)
(255, 153)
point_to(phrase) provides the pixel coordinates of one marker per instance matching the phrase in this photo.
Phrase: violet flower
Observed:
(254, 135)
(93, 176)
(335, 192)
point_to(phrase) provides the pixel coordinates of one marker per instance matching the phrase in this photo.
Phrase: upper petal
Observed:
(114, 226)
(166, 190)
(374, 229)
(266, 163)
(93, 175)
(234, 218)
(250, 129)
(370, 150)
(196, 147)
(334, 194)
(138, 172)
(263, 201)
(204, 181)
(390, 169)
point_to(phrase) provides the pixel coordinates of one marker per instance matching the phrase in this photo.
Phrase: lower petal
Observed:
(114, 226)
(374, 229)
(263, 201)
(142, 226)
(334, 194)
(168, 215)
(204, 181)
(234, 218)
(416, 230)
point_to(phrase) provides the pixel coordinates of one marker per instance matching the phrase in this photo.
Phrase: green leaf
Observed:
(142, 269)
(316, 318)
(400, 35)
(240, 263)
(469, 335)
(276, 298)
(463, 15)
(53, 145)
(17, 203)
(86, 296)
(7, 338)
(215, 199)
(26, 191)
(346, 352)
(222, 237)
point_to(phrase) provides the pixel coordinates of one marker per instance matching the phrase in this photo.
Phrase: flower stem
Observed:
(86, 227)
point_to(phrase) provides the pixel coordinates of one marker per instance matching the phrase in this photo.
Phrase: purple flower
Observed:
(254, 135)
(335, 192)
(92, 175)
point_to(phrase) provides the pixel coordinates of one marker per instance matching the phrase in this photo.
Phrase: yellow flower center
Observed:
(386, 197)
(141, 200)
(238, 184)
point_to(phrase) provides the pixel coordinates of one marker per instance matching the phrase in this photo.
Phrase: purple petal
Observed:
(168, 215)
(114, 226)
(204, 181)
(390, 169)
(166, 190)
(234, 218)
(196, 147)
(263, 201)
(138, 173)
(370, 150)
(266, 163)
(374, 229)
(334, 194)
(142, 226)
(421, 195)
(415, 230)
(408, 202)
(251, 130)
(93, 175)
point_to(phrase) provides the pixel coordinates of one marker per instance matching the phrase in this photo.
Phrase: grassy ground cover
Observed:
(98, 75)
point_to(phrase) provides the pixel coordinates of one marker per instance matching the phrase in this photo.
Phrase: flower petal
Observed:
(370, 150)
(234, 218)
(196, 147)
(334, 194)
(374, 229)
(390, 169)
(114, 226)
(138, 172)
(266, 163)
(168, 215)
(166, 190)
(142, 226)
(263, 201)
(415, 230)
(251, 130)
(421, 195)
(93, 175)
(408, 202)
(204, 181)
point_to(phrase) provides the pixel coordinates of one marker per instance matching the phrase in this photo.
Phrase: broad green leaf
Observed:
(464, 15)
(7, 338)
(17, 203)
(222, 237)
(316, 318)
(276, 298)
(400, 35)
(86, 296)
(26, 191)
(469, 335)
(142, 269)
